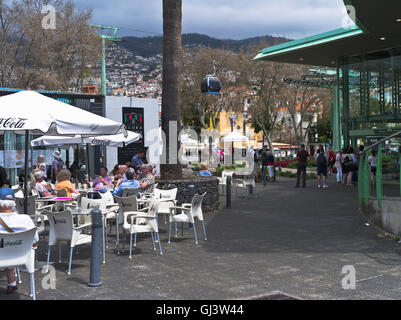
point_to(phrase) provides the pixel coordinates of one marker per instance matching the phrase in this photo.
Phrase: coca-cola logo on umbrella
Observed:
(12, 123)
(99, 141)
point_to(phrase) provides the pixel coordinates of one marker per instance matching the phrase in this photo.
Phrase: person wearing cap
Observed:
(44, 189)
(57, 165)
(11, 220)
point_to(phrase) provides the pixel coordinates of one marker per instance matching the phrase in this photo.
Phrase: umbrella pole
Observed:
(79, 167)
(26, 172)
(87, 161)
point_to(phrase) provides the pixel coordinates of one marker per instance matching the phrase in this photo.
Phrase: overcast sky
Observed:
(223, 19)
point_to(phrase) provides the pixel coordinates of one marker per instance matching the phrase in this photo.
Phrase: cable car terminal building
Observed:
(367, 56)
(132, 112)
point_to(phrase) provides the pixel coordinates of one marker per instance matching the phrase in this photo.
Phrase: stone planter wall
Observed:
(387, 218)
(210, 185)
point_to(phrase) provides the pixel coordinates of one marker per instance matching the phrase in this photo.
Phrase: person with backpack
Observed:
(57, 165)
(322, 162)
(349, 165)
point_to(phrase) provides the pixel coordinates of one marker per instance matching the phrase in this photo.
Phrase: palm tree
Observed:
(172, 61)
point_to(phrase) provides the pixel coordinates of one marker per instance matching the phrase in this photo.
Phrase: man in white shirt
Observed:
(11, 220)
(41, 186)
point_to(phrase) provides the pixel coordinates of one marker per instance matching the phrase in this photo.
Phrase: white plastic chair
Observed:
(62, 229)
(21, 254)
(101, 204)
(244, 184)
(19, 205)
(223, 180)
(130, 192)
(33, 212)
(143, 221)
(125, 205)
(164, 206)
(190, 211)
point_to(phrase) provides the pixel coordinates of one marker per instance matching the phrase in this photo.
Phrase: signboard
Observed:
(133, 119)
(14, 159)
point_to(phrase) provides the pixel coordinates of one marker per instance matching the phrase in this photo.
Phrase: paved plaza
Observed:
(295, 241)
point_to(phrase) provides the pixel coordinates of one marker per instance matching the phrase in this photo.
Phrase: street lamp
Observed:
(232, 123)
(290, 127)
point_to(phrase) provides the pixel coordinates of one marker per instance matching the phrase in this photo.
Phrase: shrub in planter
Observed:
(293, 165)
(195, 166)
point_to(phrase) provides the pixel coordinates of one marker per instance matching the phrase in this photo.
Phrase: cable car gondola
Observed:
(211, 84)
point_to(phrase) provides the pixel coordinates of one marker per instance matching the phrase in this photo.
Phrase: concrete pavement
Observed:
(295, 241)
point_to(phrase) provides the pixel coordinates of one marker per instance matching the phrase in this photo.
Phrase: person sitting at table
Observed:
(103, 178)
(204, 172)
(114, 172)
(155, 173)
(130, 183)
(120, 177)
(12, 221)
(43, 188)
(63, 182)
(147, 181)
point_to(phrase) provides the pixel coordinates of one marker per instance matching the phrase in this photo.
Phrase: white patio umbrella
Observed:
(116, 140)
(47, 141)
(185, 139)
(32, 112)
(235, 137)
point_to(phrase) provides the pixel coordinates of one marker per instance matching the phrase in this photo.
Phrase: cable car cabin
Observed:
(210, 85)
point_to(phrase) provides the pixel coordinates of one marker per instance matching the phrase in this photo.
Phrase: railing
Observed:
(364, 173)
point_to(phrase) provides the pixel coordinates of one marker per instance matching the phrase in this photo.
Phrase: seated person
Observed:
(155, 172)
(148, 180)
(204, 172)
(43, 188)
(120, 177)
(10, 219)
(130, 183)
(103, 178)
(63, 182)
(114, 172)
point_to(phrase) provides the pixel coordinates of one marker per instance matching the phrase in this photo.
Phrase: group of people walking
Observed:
(264, 157)
(344, 164)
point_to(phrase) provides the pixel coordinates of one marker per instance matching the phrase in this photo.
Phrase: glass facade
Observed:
(369, 96)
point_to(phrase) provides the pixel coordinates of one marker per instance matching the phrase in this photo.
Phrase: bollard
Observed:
(97, 225)
(228, 193)
(191, 187)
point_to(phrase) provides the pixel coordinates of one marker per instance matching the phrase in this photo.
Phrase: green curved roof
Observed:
(374, 20)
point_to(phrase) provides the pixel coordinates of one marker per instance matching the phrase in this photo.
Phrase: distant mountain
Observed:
(150, 46)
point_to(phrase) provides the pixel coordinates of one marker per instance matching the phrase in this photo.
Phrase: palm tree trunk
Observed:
(172, 61)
